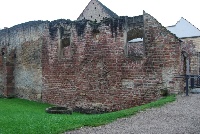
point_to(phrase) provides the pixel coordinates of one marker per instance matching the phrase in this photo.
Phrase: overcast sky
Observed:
(167, 12)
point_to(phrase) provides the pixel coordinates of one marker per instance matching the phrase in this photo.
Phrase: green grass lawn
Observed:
(19, 116)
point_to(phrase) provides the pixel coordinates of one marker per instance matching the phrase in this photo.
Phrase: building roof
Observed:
(184, 29)
(111, 13)
(100, 12)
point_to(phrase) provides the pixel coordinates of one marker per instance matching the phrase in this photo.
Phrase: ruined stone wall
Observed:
(23, 45)
(92, 73)
(97, 69)
(192, 47)
(163, 52)
(196, 41)
(80, 63)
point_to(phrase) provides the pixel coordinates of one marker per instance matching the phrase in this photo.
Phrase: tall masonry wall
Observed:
(164, 54)
(77, 63)
(95, 67)
(25, 42)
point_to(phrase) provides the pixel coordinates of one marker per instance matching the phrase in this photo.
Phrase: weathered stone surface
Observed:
(136, 50)
(22, 50)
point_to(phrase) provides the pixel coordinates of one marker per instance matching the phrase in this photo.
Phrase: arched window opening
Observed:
(135, 47)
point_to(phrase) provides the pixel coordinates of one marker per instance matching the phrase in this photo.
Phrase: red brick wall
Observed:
(98, 66)
(98, 70)
(6, 74)
(188, 46)
(164, 54)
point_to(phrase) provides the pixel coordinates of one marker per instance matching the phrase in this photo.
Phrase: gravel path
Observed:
(179, 117)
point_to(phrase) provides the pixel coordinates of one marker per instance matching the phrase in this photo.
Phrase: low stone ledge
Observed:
(195, 91)
(59, 110)
(91, 108)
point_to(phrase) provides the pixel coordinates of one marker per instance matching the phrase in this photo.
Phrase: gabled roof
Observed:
(111, 13)
(184, 29)
(95, 10)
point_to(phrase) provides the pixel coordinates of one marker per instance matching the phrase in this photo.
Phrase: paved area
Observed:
(179, 117)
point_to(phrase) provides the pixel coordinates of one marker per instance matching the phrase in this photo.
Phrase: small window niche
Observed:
(65, 48)
(3, 51)
(64, 44)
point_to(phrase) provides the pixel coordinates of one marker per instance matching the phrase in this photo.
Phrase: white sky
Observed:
(167, 12)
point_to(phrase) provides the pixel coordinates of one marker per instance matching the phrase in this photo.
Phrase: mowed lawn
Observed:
(18, 116)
